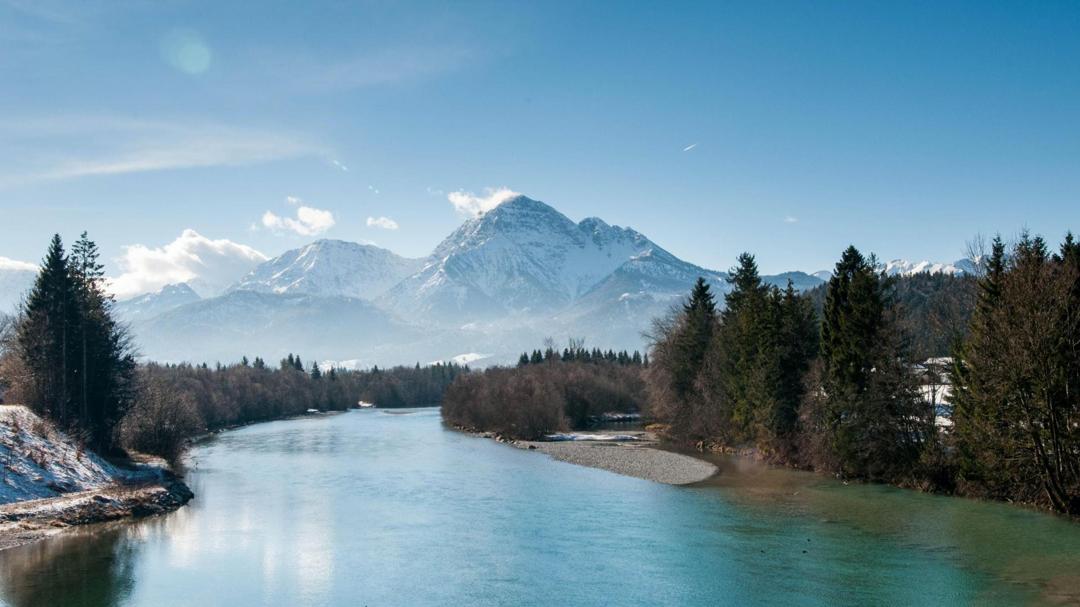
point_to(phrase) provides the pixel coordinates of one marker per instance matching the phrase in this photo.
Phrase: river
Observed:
(390, 508)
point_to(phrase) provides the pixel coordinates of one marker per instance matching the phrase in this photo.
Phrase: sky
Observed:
(167, 128)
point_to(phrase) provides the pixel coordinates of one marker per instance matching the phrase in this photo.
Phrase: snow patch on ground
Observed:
(575, 436)
(38, 461)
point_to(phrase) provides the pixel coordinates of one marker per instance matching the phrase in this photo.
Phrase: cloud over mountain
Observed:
(384, 223)
(475, 205)
(309, 221)
(207, 265)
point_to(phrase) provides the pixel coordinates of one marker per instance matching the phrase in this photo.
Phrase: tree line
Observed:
(553, 394)
(185, 400)
(578, 353)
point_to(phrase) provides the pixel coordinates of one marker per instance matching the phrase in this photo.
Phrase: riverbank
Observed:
(49, 482)
(640, 457)
(29, 521)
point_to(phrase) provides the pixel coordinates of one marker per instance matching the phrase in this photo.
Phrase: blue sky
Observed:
(904, 128)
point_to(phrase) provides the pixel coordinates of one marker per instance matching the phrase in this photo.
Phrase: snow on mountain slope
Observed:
(902, 267)
(328, 268)
(152, 304)
(521, 256)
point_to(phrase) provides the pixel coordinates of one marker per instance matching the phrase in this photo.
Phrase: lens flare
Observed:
(186, 51)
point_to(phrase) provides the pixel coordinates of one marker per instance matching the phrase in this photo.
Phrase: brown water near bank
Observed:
(1008, 541)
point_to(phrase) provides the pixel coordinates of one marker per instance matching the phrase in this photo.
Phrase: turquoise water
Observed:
(377, 508)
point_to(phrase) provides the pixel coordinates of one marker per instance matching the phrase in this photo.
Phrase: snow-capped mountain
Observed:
(330, 267)
(902, 267)
(152, 304)
(526, 257)
(16, 279)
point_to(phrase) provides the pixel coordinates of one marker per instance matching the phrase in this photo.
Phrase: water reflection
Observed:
(80, 567)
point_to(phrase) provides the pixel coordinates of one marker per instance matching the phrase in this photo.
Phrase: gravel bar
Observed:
(641, 461)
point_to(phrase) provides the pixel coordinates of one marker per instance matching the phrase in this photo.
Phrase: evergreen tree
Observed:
(747, 367)
(797, 347)
(874, 423)
(46, 337)
(315, 372)
(77, 356)
(106, 365)
(523, 359)
(1018, 378)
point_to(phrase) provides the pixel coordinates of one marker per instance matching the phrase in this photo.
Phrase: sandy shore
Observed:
(32, 520)
(641, 459)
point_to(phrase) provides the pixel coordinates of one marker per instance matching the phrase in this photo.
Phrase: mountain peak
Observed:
(330, 267)
(521, 205)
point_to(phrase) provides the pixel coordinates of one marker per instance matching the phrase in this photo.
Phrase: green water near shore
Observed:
(377, 509)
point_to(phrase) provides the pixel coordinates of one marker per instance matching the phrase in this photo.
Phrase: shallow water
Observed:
(369, 508)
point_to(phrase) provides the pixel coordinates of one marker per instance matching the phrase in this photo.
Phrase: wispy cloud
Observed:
(689, 147)
(46, 149)
(309, 221)
(208, 265)
(7, 263)
(373, 189)
(383, 223)
(475, 205)
(339, 165)
(791, 219)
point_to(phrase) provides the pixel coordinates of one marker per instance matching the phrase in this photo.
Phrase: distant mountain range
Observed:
(499, 284)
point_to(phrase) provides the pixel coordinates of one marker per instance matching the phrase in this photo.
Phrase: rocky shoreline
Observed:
(32, 520)
(641, 457)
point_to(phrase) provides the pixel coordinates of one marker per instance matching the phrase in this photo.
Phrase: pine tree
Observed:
(315, 372)
(747, 368)
(105, 366)
(700, 313)
(797, 345)
(46, 335)
(875, 423)
(523, 359)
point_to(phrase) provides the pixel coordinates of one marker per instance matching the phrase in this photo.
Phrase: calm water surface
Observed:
(375, 508)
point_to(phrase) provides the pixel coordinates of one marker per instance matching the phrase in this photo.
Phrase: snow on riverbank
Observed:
(48, 482)
(590, 436)
(37, 461)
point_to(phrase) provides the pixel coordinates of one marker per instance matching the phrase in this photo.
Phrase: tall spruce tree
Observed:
(699, 322)
(874, 421)
(105, 367)
(797, 334)
(46, 335)
(746, 360)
